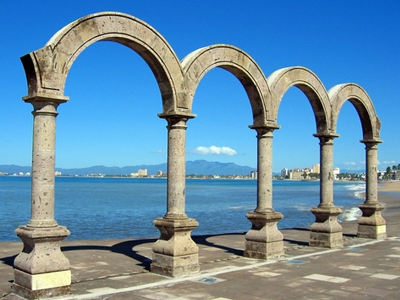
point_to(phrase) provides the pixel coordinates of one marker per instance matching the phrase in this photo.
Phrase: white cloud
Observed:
(159, 152)
(349, 163)
(390, 162)
(214, 150)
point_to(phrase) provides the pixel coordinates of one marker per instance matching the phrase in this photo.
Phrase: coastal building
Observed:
(253, 174)
(296, 174)
(285, 172)
(142, 172)
(336, 172)
(316, 169)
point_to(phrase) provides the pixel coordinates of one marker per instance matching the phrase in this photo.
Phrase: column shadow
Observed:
(126, 247)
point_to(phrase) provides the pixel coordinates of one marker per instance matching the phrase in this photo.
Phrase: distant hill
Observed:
(197, 167)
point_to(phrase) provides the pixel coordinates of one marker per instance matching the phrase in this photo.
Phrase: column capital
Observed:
(178, 116)
(45, 99)
(326, 138)
(176, 121)
(45, 105)
(265, 130)
(371, 143)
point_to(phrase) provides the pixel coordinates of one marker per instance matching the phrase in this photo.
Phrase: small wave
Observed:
(360, 195)
(241, 207)
(302, 208)
(355, 187)
(350, 214)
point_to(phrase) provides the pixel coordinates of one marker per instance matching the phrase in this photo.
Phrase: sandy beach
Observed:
(389, 186)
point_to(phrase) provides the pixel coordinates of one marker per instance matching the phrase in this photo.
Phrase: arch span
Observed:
(357, 96)
(237, 62)
(47, 68)
(304, 79)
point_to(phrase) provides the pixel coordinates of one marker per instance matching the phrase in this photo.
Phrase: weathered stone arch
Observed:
(304, 79)
(47, 68)
(326, 231)
(237, 62)
(357, 96)
(46, 71)
(371, 224)
(263, 240)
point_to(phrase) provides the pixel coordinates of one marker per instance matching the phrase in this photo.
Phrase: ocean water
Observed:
(105, 208)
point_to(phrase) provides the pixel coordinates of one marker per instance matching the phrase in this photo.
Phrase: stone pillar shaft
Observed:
(264, 240)
(326, 231)
(371, 155)
(43, 165)
(176, 183)
(371, 224)
(175, 253)
(326, 175)
(41, 270)
(264, 170)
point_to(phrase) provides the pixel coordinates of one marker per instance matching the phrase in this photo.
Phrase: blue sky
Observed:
(111, 117)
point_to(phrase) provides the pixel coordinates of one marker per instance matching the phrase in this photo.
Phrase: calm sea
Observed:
(105, 208)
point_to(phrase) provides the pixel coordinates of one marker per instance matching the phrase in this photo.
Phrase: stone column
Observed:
(264, 240)
(371, 224)
(175, 253)
(41, 269)
(326, 230)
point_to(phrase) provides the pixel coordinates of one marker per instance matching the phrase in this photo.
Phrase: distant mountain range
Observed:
(197, 167)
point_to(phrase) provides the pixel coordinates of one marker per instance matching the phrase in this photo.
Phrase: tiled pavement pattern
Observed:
(363, 269)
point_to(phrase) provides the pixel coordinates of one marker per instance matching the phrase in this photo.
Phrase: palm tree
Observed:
(388, 174)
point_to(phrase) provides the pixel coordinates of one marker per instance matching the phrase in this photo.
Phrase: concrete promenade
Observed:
(119, 269)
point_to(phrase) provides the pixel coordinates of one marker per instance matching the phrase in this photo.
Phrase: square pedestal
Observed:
(326, 239)
(44, 285)
(175, 253)
(175, 266)
(326, 231)
(371, 224)
(264, 240)
(262, 250)
(372, 232)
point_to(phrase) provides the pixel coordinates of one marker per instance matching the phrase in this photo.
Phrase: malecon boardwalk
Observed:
(42, 270)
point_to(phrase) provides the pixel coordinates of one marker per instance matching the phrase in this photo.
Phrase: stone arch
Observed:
(241, 65)
(47, 68)
(357, 96)
(304, 79)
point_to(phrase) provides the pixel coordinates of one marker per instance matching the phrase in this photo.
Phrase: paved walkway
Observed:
(118, 269)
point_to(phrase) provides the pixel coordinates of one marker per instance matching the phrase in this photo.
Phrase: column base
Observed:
(41, 269)
(326, 232)
(175, 253)
(175, 266)
(45, 285)
(264, 240)
(371, 224)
